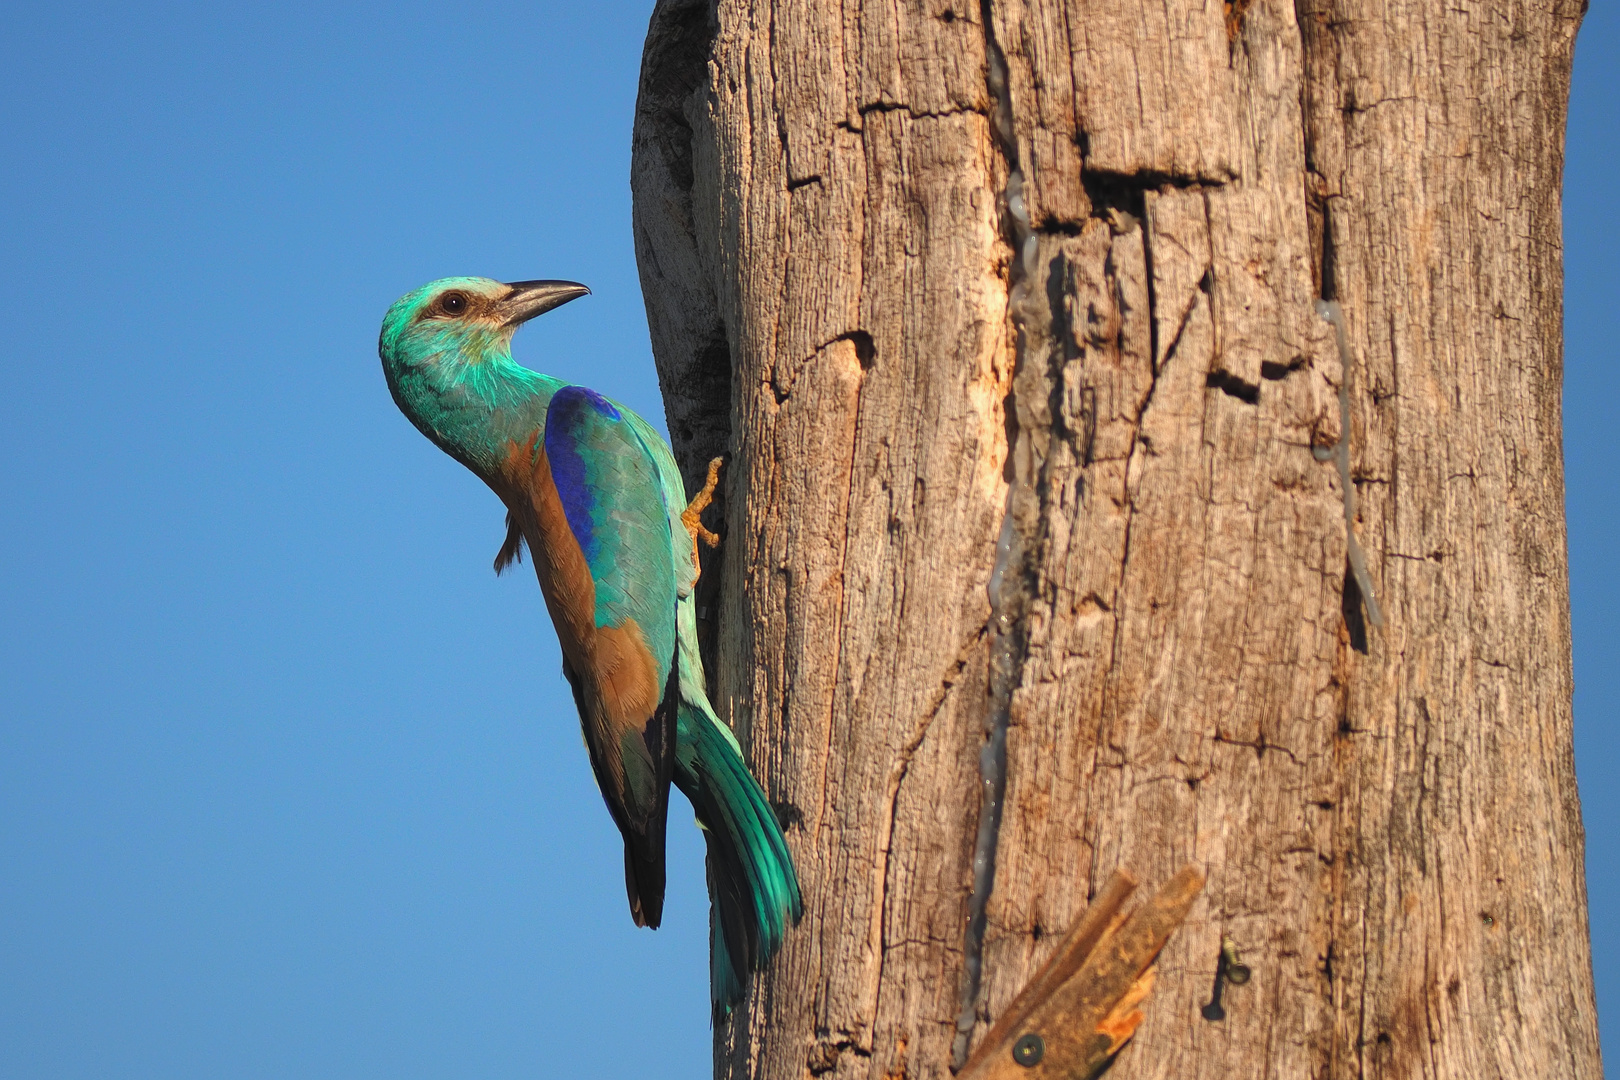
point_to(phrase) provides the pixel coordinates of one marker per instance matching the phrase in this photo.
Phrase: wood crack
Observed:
(1009, 586)
(892, 796)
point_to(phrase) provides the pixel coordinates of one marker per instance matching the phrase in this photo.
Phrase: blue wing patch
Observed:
(613, 497)
(567, 417)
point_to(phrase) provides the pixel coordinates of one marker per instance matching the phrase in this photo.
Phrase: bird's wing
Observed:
(623, 650)
(669, 479)
(612, 492)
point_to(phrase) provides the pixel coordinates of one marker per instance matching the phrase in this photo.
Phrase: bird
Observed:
(593, 492)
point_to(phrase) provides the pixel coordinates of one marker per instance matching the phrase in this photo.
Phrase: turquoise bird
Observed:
(594, 493)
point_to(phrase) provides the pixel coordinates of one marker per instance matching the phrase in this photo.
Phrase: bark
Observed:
(1042, 271)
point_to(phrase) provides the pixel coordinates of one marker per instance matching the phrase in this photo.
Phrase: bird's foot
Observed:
(692, 516)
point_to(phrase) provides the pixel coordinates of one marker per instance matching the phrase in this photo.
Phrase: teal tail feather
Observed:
(752, 883)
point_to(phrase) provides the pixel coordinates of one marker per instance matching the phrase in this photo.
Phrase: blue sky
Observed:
(289, 785)
(1592, 484)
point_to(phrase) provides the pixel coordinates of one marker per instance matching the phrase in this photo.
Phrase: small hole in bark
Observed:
(1232, 386)
(1325, 267)
(1383, 1038)
(865, 350)
(1276, 372)
(1117, 191)
(1009, 425)
(1354, 621)
(787, 815)
(1235, 11)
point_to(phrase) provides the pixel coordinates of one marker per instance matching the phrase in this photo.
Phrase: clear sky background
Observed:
(289, 783)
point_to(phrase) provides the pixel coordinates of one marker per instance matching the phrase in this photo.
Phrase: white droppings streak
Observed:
(1339, 452)
(1007, 584)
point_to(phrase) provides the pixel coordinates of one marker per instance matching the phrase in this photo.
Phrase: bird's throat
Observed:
(473, 409)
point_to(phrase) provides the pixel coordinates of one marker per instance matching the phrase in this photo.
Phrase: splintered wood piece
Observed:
(1067, 1026)
(1120, 1024)
(1065, 960)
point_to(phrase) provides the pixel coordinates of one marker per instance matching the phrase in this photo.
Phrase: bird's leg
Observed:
(692, 516)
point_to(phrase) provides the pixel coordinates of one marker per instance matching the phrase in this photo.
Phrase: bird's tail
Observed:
(752, 884)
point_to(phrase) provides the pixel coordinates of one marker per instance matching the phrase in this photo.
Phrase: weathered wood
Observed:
(1059, 967)
(1387, 816)
(1082, 1008)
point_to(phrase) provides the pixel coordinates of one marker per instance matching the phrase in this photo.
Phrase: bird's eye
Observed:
(453, 303)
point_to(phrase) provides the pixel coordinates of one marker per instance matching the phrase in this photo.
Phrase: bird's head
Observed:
(464, 320)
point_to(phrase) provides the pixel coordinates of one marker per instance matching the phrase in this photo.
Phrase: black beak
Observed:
(530, 298)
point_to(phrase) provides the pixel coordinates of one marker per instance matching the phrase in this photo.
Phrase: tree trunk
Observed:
(1005, 316)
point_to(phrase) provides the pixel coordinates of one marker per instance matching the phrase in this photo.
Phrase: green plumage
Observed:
(607, 478)
(446, 354)
(751, 878)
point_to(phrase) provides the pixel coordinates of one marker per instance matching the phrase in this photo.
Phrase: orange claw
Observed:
(692, 516)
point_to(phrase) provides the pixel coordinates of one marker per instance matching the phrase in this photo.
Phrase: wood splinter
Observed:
(1084, 1002)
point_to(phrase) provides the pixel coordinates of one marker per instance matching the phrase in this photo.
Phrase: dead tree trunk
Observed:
(1041, 272)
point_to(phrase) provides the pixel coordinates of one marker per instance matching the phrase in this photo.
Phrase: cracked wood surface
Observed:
(1387, 817)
